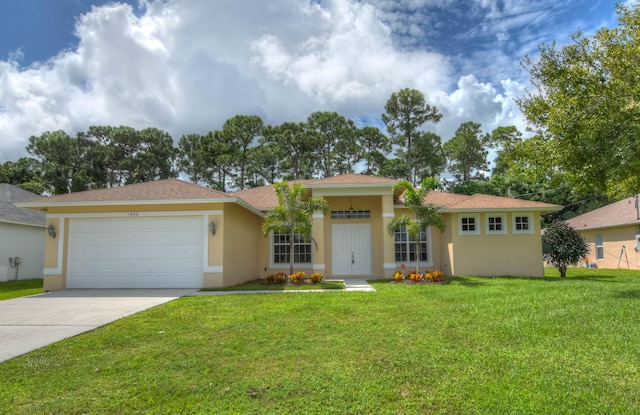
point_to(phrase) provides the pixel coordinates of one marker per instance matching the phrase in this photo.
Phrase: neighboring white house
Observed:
(22, 235)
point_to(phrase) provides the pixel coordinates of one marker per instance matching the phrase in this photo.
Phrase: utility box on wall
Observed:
(4, 273)
(637, 242)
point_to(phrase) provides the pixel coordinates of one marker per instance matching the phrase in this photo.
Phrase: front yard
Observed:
(20, 288)
(476, 345)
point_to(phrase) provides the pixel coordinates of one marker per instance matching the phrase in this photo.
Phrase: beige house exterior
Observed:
(171, 233)
(612, 233)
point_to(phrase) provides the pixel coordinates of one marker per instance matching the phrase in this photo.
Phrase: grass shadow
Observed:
(467, 282)
(629, 294)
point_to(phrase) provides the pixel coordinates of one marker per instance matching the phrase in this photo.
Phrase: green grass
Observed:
(260, 285)
(20, 288)
(476, 345)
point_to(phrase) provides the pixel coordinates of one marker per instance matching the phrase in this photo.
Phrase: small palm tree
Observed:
(426, 214)
(293, 215)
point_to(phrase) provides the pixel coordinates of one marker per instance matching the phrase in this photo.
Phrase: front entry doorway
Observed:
(351, 249)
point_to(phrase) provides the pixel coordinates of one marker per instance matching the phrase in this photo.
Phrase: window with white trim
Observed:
(496, 224)
(280, 248)
(350, 214)
(523, 223)
(469, 224)
(406, 246)
(599, 247)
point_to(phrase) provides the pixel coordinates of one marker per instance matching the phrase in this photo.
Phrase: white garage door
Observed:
(135, 252)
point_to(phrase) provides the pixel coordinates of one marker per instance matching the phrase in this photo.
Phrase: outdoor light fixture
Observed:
(212, 227)
(51, 230)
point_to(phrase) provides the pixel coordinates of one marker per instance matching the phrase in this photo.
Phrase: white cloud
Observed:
(187, 65)
(478, 102)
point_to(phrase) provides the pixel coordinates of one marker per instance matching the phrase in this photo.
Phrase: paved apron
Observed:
(29, 323)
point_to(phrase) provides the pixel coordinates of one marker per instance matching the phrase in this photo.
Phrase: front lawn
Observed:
(20, 288)
(476, 345)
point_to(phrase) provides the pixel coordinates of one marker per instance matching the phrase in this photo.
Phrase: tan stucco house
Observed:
(171, 233)
(21, 235)
(612, 233)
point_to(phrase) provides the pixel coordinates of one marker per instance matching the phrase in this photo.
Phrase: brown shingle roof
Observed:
(265, 197)
(167, 189)
(351, 179)
(443, 199)
(488, 202)
(616, 214)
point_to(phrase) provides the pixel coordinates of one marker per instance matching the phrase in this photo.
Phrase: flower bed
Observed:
(414, 277)
(297, 278)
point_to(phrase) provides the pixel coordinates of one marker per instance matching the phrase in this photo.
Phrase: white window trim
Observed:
(410, 264)
(599, 246)
(477, 222)
(502, 216)
(515, 229)
(280, 265)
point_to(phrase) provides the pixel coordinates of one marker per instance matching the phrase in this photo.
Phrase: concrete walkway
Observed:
(29, 323)
(351, 284)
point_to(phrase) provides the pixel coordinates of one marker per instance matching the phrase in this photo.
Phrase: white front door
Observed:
(351, 249)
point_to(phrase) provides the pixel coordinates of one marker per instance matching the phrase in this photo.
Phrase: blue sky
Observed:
(40, 29)
(187, 65)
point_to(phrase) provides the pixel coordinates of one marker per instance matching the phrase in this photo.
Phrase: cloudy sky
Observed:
(186, 66)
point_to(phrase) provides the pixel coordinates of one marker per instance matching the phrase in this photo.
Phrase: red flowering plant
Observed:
(434, 276)
(297, 278)
(415, 276)
(316, 278)
(280, 278)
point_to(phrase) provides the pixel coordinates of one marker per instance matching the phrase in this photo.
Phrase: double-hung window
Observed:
(281, 249)
(599, 247)
(406, 247)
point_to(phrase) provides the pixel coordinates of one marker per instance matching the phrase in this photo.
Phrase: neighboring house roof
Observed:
(622, 213)
(166, 191)
(10, 213)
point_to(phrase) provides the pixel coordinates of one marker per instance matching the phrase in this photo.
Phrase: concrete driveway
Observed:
(28, 323)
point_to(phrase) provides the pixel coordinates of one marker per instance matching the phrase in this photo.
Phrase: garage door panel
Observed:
(157, 252)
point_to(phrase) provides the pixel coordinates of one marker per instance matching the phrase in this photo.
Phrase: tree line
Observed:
(246, 153)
